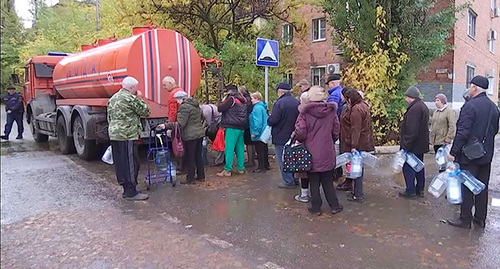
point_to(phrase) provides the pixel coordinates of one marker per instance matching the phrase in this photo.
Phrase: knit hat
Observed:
(283, 86)
(442, 98)
(413, 92)
(481, 82)
(180, 95)
(333, 77)
(316, 94)
(11, 87)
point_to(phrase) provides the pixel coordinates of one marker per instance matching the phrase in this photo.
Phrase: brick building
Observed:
(476, 52)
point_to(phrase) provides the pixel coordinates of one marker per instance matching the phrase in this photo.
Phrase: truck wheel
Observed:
(86, 149)
(40, 138)
(66, 143)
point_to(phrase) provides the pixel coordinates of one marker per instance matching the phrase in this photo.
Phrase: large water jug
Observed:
(442, 157)
(438, 184)
(370, 159)
(414, 162)
(471, 182)
(161, 161)
(398, 161)
(343, 159)
(356, 165)
(454, 190)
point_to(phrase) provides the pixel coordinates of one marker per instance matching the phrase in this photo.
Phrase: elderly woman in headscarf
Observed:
(443, 123)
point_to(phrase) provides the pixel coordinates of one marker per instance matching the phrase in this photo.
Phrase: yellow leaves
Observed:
(375, 73)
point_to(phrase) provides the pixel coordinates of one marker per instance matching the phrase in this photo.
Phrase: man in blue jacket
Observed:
(478, 121)
(335, 92)
(15, 109)
(282, 120)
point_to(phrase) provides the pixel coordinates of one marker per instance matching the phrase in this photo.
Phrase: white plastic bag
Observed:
(266, 135)
(107, 157)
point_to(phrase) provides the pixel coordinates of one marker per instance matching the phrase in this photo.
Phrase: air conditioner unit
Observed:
(491, 73)
(495, 12)
(333, 68)
(493, 35)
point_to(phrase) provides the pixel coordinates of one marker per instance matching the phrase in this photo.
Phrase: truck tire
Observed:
(66, 143)
(40, 138)
(85, 148)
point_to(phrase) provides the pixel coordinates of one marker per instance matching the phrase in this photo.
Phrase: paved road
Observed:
(61, 212)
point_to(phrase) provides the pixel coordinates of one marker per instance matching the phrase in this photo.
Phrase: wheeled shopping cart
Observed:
(160, 167)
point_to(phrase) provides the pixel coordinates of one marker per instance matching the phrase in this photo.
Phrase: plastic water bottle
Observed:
(414, 162)
(471, 182)
(173, 172)
(398, 161)
(356, 165)
(438, 184)
(370, 160)
(161, 161)
(107, 157)
(343, 159)
(441, 157)
(454, 190)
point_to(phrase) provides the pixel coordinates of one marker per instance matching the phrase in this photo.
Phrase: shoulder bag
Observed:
(474, 149)
(177, 145)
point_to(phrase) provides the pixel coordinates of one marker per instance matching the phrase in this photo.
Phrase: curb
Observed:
(386, 150)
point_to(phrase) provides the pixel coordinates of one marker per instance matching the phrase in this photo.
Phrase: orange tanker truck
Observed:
(66, 95)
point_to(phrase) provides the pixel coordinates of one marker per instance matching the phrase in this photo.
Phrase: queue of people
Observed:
(313, 121)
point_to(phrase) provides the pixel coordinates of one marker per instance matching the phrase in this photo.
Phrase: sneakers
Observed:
(317, 213)
(4, 137)
(224, 173)
(420, 193)
(185, 181)
(138, 197)
(240, 172)
(337, 210)
(352, 198)
(302, 198)
(282, 185)
(406, 194)
(19, 137)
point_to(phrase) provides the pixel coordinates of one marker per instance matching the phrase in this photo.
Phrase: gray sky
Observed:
(23, 10)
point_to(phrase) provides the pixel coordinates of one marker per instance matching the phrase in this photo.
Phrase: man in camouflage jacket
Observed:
(125, 109)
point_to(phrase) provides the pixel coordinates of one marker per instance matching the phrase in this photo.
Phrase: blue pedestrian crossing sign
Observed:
(267, 52)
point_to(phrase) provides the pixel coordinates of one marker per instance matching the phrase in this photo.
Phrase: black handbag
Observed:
(474, 149)
(296, 158)
(213, 127)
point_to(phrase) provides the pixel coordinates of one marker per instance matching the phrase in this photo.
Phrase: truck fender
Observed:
(90, 119)
(65, 113)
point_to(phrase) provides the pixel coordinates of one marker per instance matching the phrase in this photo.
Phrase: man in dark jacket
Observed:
(15, 109)
(282, 121)
(478, 120)
(234, 120)
(414, 139)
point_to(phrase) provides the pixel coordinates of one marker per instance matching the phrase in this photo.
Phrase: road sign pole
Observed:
(266, 78)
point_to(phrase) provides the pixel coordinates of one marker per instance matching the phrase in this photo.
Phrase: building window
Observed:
(492, 37)
(471, 70)
(491, 85)
(471, 30)
(287, 34)
(288, 78)
(319, 29)
(318, 76)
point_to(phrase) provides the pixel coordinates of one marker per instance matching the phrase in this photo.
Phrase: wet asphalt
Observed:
(62, 212)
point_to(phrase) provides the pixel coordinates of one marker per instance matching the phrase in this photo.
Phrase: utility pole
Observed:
(97, 16)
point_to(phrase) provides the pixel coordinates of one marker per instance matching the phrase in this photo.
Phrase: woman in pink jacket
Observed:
(318, 127)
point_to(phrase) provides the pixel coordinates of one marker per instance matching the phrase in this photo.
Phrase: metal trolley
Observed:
(160, 167)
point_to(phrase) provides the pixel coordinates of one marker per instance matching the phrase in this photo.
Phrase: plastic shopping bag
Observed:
(219, 142)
